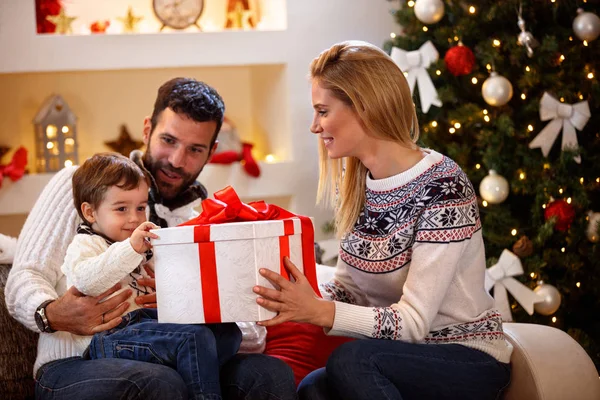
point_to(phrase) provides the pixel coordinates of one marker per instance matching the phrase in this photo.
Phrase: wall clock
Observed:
(178, 14)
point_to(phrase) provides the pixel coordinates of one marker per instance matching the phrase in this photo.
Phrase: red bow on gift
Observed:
(16, 168)
(227, 207)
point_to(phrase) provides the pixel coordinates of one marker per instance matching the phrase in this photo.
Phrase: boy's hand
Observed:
(139, 240)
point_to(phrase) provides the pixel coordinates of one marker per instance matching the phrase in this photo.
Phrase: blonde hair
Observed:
(366, 79)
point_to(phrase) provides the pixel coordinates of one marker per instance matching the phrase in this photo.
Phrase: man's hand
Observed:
(138, 238)
(77, 313)
(147, 300)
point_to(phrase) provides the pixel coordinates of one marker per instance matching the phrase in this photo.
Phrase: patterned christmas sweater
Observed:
(413, 267)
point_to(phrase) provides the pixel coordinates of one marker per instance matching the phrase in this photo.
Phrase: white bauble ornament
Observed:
(551, 297)
(429, 11)
(494, 188)
(586, 25)
(593, 227)
(496, 90)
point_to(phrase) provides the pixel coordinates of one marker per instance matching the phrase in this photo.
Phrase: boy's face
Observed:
(120, 212)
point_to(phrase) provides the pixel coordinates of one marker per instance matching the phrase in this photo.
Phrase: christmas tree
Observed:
(512, 87)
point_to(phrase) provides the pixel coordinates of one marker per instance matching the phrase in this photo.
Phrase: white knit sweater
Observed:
(36, 274)
(413, 267)
(93, 267)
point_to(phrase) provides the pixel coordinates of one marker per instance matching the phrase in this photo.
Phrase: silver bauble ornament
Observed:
(494, 188)
(551, 297)
(593, 227)
(429, 11)
(526, 38)
(586, 25)
(496, 90)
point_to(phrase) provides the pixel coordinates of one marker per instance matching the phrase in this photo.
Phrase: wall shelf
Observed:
(50, 52)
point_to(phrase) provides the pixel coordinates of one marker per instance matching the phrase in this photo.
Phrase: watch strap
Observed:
(41, 313)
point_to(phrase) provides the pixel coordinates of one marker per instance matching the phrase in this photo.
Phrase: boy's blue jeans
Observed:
(196, 352)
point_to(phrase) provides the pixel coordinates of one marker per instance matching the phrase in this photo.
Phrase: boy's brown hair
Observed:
(98, 173)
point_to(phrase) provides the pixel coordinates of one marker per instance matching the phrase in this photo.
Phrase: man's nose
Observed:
(177, 157)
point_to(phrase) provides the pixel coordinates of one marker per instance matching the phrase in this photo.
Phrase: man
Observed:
(180, 137)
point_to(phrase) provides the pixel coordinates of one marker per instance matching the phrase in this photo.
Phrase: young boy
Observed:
(110, 193)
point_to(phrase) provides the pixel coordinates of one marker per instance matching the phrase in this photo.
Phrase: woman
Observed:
(411, 268)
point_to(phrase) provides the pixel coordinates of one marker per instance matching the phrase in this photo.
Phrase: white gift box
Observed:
(205, 273)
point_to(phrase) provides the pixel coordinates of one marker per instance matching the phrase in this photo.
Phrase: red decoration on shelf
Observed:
(459, 60)
(564, 213)
(43, 9)
(16, 168)
(99, 26)
(248, 162)
(244, 157)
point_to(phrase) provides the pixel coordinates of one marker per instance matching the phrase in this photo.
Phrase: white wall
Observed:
(113, 78)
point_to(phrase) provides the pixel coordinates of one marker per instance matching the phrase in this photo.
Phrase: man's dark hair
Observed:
(190, 97)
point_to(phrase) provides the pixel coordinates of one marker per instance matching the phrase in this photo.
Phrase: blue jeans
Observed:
(244, 377)
(196, 352)
(385, 369)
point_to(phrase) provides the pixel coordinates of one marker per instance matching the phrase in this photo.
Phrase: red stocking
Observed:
(250, 165)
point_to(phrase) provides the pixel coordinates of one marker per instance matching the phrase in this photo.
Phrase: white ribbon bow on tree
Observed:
(565, 116)
(500, 277)
(415, 64)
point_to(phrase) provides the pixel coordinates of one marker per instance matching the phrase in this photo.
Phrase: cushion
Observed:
(304, 347)
(17, 351)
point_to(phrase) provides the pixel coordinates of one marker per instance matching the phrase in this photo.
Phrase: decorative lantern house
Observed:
(55, 136)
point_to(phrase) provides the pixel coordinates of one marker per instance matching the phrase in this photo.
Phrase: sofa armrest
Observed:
(548, 364)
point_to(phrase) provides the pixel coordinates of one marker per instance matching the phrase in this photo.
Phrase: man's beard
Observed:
(167, 190)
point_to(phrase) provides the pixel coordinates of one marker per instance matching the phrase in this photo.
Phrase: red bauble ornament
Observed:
(459, 60)
(564, 213)
(43, 9)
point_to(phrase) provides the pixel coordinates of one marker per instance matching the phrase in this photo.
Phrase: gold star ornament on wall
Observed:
(130, 21)
(62, 21)
(124, 144)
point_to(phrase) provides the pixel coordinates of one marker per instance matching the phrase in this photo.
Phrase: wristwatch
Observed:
(40, 318)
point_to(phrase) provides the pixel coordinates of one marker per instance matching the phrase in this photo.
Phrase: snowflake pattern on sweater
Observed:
(436, 207)
(439, 206)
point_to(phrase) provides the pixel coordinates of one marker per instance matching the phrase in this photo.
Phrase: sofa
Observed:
(547, 364)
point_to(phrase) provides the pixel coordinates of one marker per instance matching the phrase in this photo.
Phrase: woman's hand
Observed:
(147, 300)
(77, 313)
(294, 301)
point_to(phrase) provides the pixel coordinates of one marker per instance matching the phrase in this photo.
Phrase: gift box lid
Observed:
(227, 231)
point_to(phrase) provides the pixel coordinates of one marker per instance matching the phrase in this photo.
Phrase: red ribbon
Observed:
(227, 207)
(16, 168)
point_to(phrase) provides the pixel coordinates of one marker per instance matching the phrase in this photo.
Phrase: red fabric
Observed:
(304, 347)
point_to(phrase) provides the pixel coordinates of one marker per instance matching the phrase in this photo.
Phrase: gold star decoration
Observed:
(124, 144)
(62, 21)
(130, 21)
(240, 18)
